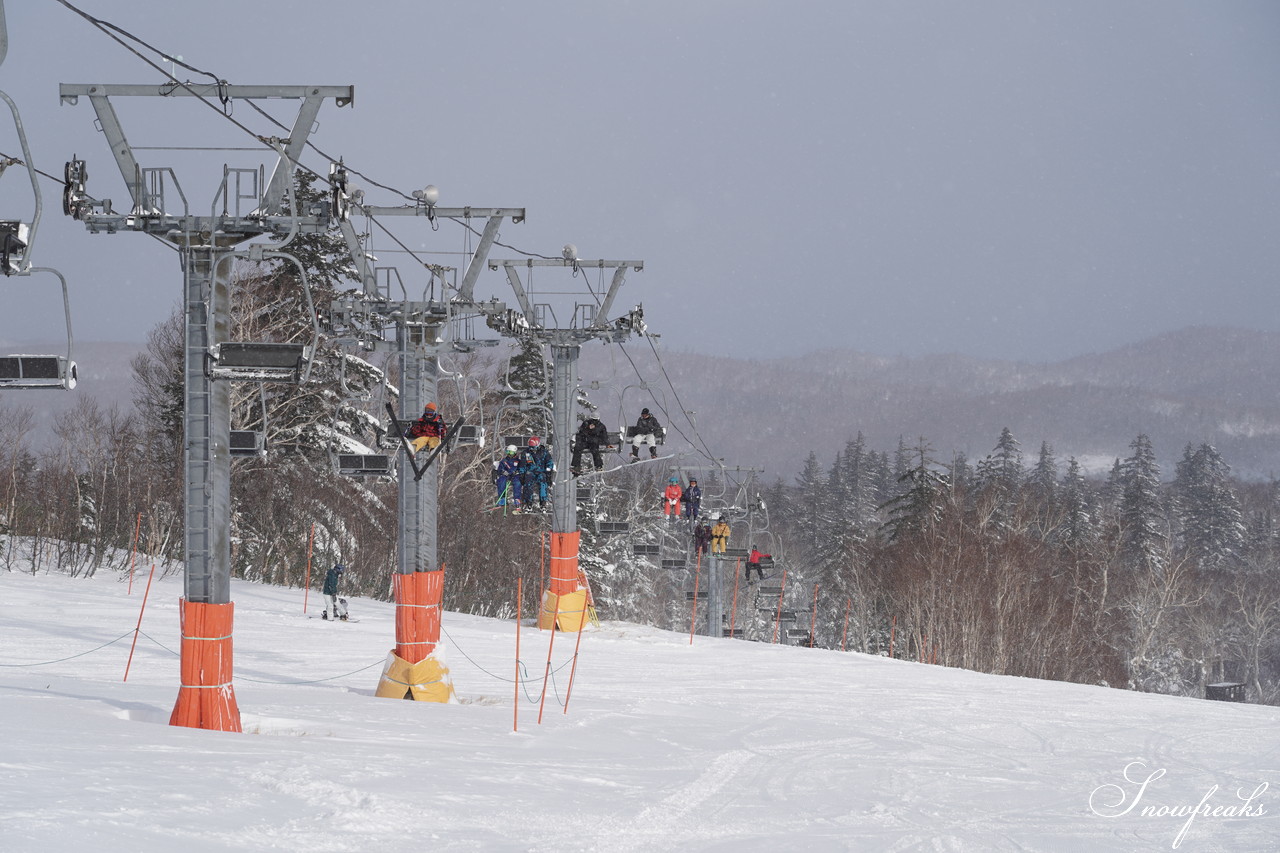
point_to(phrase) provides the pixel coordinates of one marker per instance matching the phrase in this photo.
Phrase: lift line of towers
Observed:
(414, 332)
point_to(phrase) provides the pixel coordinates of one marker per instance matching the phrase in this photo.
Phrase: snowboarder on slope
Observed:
(330, 591)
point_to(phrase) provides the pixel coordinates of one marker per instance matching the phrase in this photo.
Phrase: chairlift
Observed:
(585, 494)
(647, 550)
(690, 595)
(258, 362)
(799, 634)
(24, 370)
(261, 361)
(771, 590)
(470, 434)
(674, 565)
(615, 527)
(735, 553)
(364, 464)
(247, 442)
(734, 633)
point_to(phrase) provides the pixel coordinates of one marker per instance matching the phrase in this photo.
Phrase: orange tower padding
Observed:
(412, 672)
(206, 699)
(564, 603)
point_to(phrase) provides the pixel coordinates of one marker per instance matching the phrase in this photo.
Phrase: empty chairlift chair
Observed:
(37, 371)
(364, 464)
(248, 442)
(259, 362)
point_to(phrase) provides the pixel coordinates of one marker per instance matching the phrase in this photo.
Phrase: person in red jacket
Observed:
(753, 562)
(426, 431)
(671, 500)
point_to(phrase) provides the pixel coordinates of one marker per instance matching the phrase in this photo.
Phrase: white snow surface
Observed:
(666, 745)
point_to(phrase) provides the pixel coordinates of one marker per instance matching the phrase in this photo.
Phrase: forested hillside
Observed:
(895, 493)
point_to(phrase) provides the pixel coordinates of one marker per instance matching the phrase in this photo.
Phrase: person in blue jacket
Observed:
(692, 499)
(508, 478)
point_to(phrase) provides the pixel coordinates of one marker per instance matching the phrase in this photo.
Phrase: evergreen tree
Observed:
(1142, 527)
(918, 509)
(1079, 530)
(1208, 509)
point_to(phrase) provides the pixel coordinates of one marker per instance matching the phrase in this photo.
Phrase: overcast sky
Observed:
(1021, 180)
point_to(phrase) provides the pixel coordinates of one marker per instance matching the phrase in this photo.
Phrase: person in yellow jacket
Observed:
(719, 536)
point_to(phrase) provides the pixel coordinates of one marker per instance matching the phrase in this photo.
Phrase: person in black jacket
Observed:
(591, 436)
(647, 431)
(330, 591)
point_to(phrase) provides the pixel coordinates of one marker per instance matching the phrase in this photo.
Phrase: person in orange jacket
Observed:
(671, 500)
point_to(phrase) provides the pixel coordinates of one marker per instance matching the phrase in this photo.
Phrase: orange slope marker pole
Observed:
(515, 726)
(693, 615)
(848, 602)
(133, 555)
(306, 586)
(733, 613)
(542, 565)
(138, 629)
(546, 673)
(778, 618)
(574, 669)
(813, 618)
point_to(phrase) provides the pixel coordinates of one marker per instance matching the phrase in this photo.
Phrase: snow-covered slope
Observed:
(718, 745)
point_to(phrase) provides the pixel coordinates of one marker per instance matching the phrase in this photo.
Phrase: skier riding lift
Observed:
(647, 431)
(425, 433)
(591, 436)
(671, 500)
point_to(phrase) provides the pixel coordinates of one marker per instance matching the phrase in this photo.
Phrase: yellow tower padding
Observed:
(565, 611)
(426, 681)
(412, 671)
(565, 602)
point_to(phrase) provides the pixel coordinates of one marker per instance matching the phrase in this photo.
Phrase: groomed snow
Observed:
(718, 745)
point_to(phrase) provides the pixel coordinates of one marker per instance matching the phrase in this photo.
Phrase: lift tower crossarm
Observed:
(494, 215)
(602, 313)
(311, 96)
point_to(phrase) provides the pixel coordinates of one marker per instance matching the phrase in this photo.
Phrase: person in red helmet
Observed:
(425, 433)
(537, 469)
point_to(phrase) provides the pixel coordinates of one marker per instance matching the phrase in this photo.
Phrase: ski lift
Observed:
(733, 633)
(470, 434)
(610, 528)
(267, 362)
(690, 595)
(23, 370)
(647, 550)
(799, 634)
(364, 464)
(247, 442)
(674, 564)
(771, 590)
(735, 553)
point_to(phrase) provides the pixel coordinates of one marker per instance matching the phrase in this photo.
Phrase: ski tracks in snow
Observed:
(670, 817)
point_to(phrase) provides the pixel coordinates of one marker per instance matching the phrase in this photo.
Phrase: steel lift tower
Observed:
(564, 603)
(244, 206)
(420, 335)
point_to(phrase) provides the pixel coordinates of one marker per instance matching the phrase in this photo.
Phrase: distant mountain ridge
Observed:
(1199, 384)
